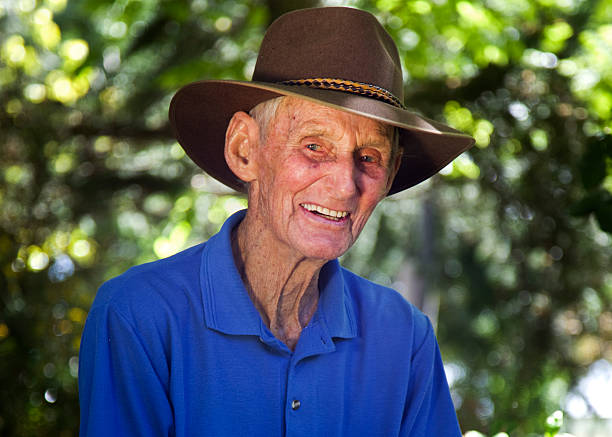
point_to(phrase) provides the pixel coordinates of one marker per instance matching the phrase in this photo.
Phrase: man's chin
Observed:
(324, 250)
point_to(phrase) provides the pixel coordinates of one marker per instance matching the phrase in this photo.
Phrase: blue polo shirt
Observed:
(176, 348)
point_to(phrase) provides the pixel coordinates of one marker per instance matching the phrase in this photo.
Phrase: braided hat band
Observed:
(348, 86)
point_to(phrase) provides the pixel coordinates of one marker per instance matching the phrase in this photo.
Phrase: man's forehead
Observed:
(305, 114)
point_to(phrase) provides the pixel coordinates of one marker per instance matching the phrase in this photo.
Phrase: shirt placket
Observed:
(301, 402)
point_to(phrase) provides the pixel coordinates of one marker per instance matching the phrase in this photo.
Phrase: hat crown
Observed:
(331, 43)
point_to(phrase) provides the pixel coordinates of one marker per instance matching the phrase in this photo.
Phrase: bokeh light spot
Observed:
(4, 331)
(13, 50)
(117, 30)
(26, 5)
(558, 31)
(35, 92)
(37, 260)
(75, 50)
(77, 315)
(81, 248)
(48, 35)
(539, 139)
(519, 111)
(14, 174)
(42, 16)
(472, 13)
(223, 24)
(420, 7)
(176, 151)
(56, 5)
(50, 396)
(73, 365)
(61, 269)
(63, 163)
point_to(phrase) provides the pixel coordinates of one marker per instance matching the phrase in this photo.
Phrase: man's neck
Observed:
(282, 286)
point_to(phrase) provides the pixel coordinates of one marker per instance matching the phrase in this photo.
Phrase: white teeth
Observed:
(325, 211)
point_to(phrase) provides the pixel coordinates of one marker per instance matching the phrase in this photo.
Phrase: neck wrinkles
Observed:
(283, 286)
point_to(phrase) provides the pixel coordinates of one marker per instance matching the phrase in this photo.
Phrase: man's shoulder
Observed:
(372, 293)
(146, 285)
(383, 306)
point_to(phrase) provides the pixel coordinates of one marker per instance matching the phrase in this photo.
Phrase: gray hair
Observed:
(265, 112)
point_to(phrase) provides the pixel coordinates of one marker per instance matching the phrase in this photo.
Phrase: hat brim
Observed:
(200, 113)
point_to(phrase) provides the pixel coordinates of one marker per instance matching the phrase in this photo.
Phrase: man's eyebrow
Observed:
(385, 130)
(318, 127)
(314, 127)
(384, 137)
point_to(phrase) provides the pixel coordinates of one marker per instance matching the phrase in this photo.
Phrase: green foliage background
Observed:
(511, 243)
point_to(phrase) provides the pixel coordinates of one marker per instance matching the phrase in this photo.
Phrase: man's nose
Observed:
(344, 177)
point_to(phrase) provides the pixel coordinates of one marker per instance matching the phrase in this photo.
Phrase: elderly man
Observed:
(259, 331)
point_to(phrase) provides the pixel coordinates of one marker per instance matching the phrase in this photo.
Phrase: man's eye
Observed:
(367, 158)
(313, 147)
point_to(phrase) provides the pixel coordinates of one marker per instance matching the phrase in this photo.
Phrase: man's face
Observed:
(320, 173)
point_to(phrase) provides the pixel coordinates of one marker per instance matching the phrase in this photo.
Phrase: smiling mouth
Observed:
(327, 213)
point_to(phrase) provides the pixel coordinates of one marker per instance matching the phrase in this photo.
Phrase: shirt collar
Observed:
(335, 308)
(227, 305)
(229, 309)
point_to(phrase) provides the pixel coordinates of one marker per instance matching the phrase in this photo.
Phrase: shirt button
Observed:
(295, 404)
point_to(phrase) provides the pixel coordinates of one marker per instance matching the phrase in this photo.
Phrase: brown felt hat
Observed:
(336, 56)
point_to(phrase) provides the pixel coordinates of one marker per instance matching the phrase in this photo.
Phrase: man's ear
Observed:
(241, 140)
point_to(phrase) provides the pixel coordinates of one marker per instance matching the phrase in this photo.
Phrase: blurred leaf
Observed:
(603, 213)
(554, 422)
(593, 165)
(590, 203)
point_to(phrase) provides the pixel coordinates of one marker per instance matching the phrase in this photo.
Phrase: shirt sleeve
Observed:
(429, 408)
(120, 392)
